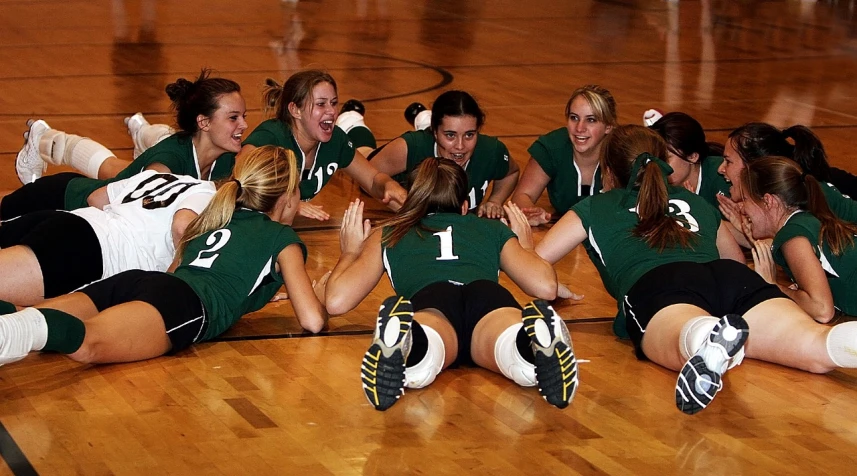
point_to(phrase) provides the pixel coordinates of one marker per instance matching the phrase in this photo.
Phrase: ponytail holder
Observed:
(803, 177)
(240, 188)
(641, 161)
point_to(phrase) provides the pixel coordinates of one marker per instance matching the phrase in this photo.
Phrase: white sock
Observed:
(151, 134)
(423, 120)
(21, 333)
(349, 120)
(509, 359)
(52, 145)
(86, 155)
(695, 333)
(842, 344)
(425, 371)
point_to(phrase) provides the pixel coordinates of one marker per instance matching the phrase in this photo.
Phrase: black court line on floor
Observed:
(13, 456)
(21, 466)
(363, 332)
(446, 76)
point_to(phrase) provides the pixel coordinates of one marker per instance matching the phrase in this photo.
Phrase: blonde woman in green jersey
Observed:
(232, 259)
(565, 161)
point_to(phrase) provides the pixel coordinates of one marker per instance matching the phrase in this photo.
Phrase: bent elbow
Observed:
(546, 290)
(824, 313)
(336, 305)
(315, 325)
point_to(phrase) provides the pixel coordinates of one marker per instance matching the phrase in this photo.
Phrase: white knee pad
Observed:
(85, 155)
(695, 332)
(842, 344)
(423, 120)
(349, 120)
(426, 370)
(509, 360)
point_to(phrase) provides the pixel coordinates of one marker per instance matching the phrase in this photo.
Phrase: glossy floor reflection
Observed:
(261, 402)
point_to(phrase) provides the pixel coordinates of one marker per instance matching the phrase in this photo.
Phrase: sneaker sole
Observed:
(729, 335)
(556, 366)
(383, 370)
(687, 398)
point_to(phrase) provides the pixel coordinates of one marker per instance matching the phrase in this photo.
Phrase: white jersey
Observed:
(135, 228)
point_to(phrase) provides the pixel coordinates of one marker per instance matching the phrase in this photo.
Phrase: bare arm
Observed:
(99, 198)
(528, 270)
(813, 291)
(158, 167)
(392, 159)
(562, 238)
(378, 184)
(533, 182)
(360, 265)
(727, 246)
(492, 205)
(181, 219)
(246, 149)
(310, 312)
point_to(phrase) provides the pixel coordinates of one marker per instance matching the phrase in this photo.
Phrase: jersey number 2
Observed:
(215, 241)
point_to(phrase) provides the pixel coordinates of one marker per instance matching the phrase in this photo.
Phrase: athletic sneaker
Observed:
(135, 124)
(383, 369)
(29, 164)
(556, 367)
(701, 377)
(651, 116)
(412, 111)
(353, 105)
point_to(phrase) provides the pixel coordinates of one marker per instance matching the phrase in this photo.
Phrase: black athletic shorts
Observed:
(719, 287)
(464, 306)
(65, 245)
(46, 193)
(180, 308)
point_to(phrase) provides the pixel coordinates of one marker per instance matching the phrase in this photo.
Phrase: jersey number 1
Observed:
(446, 252)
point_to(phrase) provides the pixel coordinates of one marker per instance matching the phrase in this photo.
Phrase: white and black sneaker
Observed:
(29, 165)
(701, 377)
(556, 367)
(383, 368)
(651, 116)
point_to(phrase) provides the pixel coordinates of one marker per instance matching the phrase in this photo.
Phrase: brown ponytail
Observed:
(621, 149)
(438, 186)
(785, 179)
(297, 89)
(656, 226)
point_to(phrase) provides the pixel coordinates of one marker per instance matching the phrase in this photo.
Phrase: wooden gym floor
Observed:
(266, 399)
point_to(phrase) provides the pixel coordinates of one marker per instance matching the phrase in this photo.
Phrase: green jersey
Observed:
(555, 154)
(176, 152)
(711, 184)
(490, 161)
(843, 207)
(455, 248)
(841, 270)
(329, 156)
(233, 269)
(609, 220)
